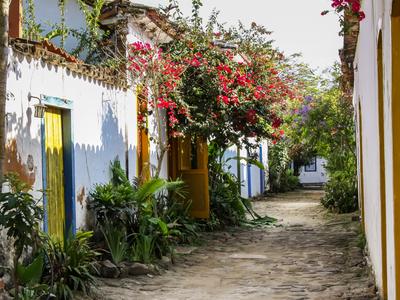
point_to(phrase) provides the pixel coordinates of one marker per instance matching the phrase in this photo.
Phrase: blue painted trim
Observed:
(69, 173)
(239, 171)
(44, 175)
(249, 178)
(57, 102)
(262, 172)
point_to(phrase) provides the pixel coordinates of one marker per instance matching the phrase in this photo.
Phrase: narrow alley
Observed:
(309, 254)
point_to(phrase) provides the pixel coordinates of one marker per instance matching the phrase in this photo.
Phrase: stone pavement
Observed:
(311, 255)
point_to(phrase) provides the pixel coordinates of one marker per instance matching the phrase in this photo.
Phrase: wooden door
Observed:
(143, 151)
(54, 172)
(193, 169)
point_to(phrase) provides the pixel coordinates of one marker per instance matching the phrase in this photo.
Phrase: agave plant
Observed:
(117, 242)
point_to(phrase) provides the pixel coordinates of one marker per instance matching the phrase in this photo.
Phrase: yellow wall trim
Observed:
(381, 120)
(396, 137)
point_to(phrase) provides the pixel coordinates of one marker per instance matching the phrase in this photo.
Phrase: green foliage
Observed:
(226, 203)
(117, 243)
(20, 214)
(227, 206)
(362, 241)
(324, 124)
(341, 192)
(281, 177)
(30, 277)
(147, 220)
(32, 30)
(88, 38)
(39, 291)
(70, 265)
(143, 248)
(31, 274)
(155, 233)
(115, 201)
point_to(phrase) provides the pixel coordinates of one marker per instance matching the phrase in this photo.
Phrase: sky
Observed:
(297, 25)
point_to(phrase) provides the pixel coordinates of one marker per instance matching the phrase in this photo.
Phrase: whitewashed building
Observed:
(377, 105)
(90, 118)
(314, 173)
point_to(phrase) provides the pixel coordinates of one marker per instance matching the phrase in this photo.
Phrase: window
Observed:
(312, 166)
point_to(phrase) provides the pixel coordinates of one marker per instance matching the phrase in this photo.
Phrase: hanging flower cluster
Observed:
(160, 77)
(352, 5)
(230, 96)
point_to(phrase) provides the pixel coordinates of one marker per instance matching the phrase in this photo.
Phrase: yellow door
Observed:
(193, 169)
(143, 152)
(55, 172)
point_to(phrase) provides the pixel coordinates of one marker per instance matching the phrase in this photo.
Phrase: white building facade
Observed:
(377, 106)
(97, 118)
(314, 173)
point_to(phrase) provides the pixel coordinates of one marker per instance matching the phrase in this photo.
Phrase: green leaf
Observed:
(163, 227)
(150, 188)
(249, 161)
(32, 273)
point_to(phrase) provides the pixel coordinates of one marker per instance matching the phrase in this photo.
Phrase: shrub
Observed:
(113, 203)
(117, 242)
(281, 177)
(227, 206)
(148, 219)
(341, 192)
(20, 215)
(70, 265)
(143, 248)
(155, 233)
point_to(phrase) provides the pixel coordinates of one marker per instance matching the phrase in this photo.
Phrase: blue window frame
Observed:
(312, 166)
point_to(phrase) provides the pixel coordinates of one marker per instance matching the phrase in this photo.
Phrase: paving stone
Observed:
(313, 255)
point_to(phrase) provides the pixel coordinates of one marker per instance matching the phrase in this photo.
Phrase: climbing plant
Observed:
(32, 30)
(88, 38)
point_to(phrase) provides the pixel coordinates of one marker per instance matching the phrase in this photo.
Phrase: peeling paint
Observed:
(81, 195)
(14, 163)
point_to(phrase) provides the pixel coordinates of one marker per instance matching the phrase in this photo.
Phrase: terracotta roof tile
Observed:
(59, 51)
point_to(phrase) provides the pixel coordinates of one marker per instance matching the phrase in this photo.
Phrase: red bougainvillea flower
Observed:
(353, 5)
(251, 116)
(277, 122)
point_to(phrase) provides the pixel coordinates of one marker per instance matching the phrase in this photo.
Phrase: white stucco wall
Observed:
(104, 122)
(98, 127)
(366, 93)
(319, 176)
(232, 166)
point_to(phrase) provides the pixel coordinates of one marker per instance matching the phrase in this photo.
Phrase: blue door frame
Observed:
(262, 172)
(69, 162)
(249, 177)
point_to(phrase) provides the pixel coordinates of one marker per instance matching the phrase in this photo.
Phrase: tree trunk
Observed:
(3, 78)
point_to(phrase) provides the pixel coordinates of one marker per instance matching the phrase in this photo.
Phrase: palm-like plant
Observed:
(70, 264)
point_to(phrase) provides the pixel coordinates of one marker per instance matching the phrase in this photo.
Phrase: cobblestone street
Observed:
(311, 254)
